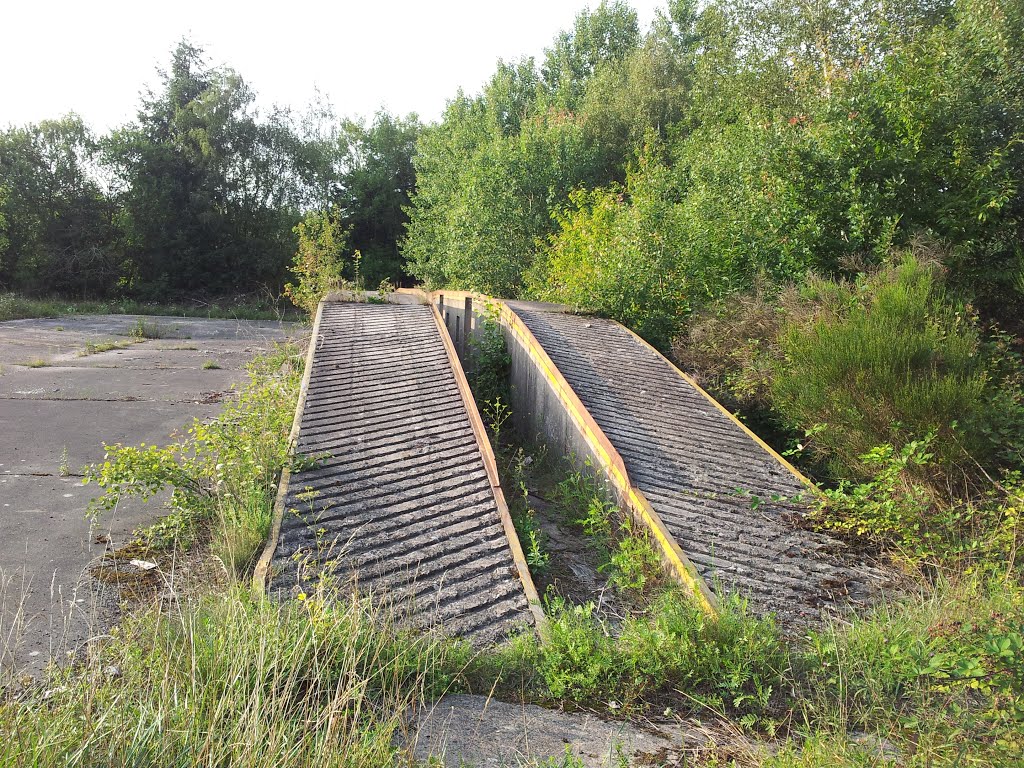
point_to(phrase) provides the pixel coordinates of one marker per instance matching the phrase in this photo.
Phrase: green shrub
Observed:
(901, 360)
(733, 663)
(223, 472)
(619, 257)
(318, 264)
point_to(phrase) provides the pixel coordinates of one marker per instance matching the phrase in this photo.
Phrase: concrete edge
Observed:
(732, 417)
(491, 467)
(261, 573)
(679, 565)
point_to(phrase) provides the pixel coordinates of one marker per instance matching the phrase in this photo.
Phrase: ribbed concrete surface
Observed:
(698, 469)
(402, 502)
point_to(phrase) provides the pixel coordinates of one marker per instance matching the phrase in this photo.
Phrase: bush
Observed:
(318, 263)
(224, 472)
(619, 257)
(898, 361)
(733, 662)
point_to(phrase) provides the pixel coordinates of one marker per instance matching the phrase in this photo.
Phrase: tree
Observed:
(374, 189)
(210, 192)
(609, 33)
(57, 231)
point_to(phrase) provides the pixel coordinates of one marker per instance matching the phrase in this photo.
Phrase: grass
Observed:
(37, 362)
(235, 680)
(14, 307)
(210, 365)
(98, 347)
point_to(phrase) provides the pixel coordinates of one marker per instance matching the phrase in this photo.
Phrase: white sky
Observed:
(94, 56)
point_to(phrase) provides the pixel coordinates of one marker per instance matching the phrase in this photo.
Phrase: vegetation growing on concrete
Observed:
(222, 475)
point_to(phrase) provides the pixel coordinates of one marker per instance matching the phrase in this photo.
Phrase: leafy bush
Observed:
(899, 360)
(317, 264)
(620, 258)
(980, 533)
(734, 662)
(223, 472)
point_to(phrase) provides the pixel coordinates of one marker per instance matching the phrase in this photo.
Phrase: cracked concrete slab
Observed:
(58, 417)
(464, 730)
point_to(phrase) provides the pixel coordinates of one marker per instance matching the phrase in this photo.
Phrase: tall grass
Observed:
(236, 680)
(938, 676)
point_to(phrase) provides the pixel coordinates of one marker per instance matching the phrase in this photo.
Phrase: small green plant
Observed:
(211, 365)
(489, 359)
(144, 329)
(733, 663)
(37, 362)
(536, 557)
(65, 464)
(223, 472)
(98, 347)
(317, 265)
(496, 413)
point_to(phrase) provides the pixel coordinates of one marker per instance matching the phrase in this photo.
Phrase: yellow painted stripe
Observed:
(680, 565)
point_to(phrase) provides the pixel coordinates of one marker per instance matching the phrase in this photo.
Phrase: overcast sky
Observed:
(94, 56)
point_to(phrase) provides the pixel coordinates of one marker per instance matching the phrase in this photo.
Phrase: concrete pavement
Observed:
(55, 418)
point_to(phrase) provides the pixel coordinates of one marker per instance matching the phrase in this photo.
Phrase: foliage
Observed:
(489, 364)
(734, 662)
(627, 554)
(896, 359)
(939, 673)
(222, 473)
(373, 191)
(56, 230)
(236, 680)
(318, 264)
(979, 533)
(884, 359)
(616, 258)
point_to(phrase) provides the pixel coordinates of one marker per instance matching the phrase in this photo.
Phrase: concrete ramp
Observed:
(403, 499)
(734, 508)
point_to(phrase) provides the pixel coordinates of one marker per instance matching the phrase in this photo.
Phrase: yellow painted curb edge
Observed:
(491, 466)
(679, 564)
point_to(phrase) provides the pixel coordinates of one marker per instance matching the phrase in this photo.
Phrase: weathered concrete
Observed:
(401, 499)
(733, 507)
(485, 733)
(63, 414)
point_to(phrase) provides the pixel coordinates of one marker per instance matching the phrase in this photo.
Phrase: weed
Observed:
(65, 464)
(733, 663)
(37, 362)
(224, 472)
(489, 361)
(97, 347)
(496, 413)
(148, 330)
(210, 365)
